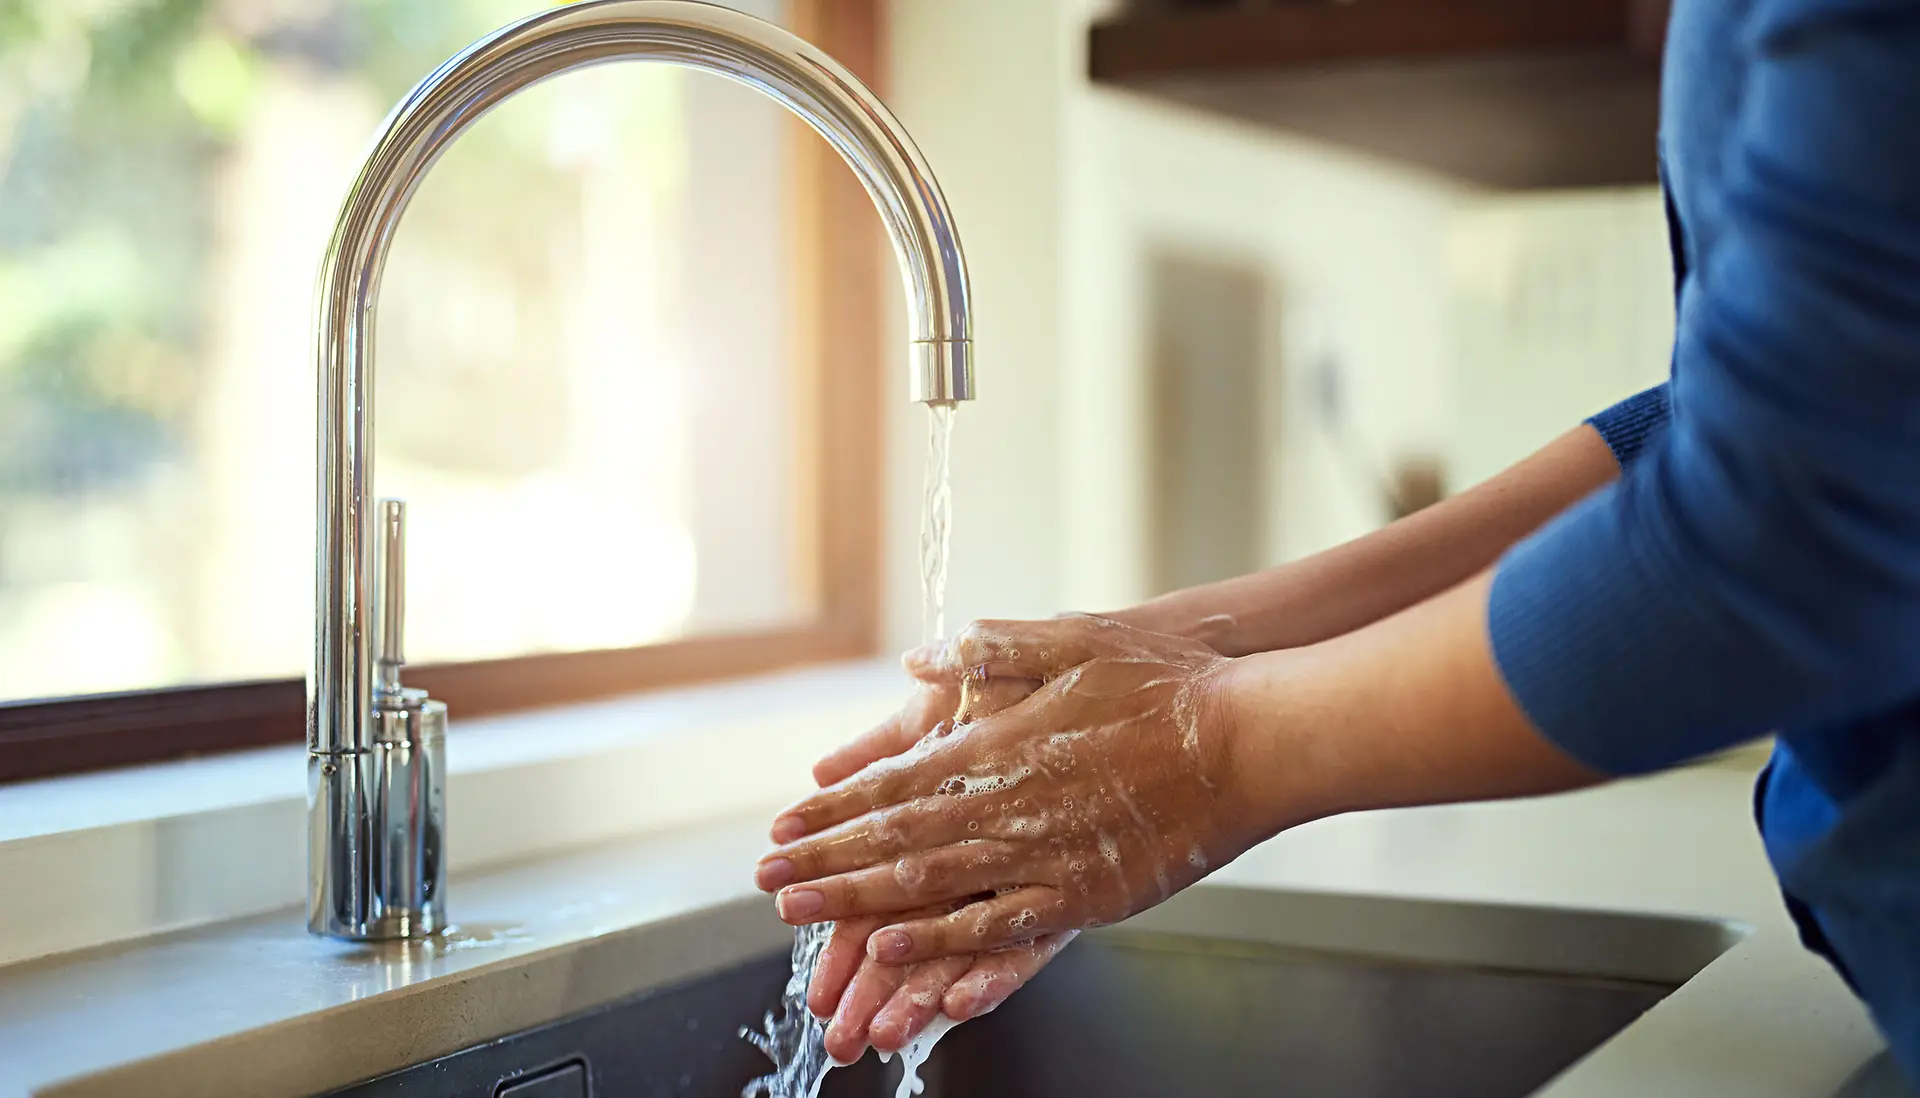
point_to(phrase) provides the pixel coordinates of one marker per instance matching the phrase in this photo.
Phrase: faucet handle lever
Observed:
(390, 600)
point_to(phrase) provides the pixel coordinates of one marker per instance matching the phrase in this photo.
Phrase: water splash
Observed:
(793, 1038)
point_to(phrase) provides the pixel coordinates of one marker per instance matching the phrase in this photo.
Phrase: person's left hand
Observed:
(1108, 790)
(863, 1001)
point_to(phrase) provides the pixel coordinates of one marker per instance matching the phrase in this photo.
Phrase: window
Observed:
(603, 380)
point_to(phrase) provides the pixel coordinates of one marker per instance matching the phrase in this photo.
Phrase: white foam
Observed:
(969, 785)
(915, 1053)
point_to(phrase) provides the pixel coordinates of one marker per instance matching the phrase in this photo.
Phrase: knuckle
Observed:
(845, 893)
(911, 875)
(971, 638)
(891, 833)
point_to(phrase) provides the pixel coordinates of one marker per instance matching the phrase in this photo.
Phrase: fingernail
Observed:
(801, 903)
(774, 874)
(788, 828)
(891, 945)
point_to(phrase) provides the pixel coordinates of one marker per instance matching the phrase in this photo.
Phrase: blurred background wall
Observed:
(1410, 321)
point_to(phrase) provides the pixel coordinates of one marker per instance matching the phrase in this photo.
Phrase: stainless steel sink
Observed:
(1221, 992)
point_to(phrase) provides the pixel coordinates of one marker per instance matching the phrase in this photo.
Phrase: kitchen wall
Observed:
(1559, 304)
(1463, 326)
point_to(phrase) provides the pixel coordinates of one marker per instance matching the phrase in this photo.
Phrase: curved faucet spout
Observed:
(343, 727)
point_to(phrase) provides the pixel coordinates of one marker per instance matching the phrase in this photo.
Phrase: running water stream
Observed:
(794, 1039)
(936, 523)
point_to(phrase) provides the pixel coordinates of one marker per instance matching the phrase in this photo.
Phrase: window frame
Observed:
(839, 277)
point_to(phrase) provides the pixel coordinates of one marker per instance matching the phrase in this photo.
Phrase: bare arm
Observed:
(1409, 710)
(1352, 585)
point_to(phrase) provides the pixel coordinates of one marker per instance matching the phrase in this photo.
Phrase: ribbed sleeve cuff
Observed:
(1628, 425)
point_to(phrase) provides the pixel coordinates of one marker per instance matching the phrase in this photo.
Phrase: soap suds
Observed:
(915, 1054)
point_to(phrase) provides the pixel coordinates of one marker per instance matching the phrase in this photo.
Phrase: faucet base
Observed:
(376, 857)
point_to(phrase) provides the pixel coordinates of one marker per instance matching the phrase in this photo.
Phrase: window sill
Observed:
(106, 857)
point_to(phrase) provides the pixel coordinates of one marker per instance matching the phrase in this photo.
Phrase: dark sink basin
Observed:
(1463, 1000)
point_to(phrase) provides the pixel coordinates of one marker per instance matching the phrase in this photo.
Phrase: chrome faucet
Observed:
(376, 750)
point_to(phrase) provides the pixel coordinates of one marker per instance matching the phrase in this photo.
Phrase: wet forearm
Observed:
(1350, 586)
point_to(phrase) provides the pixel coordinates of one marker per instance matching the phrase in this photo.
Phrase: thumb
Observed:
(932, 664)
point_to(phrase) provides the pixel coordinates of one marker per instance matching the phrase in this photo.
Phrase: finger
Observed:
(982, 697)
(962, 763)
(872, 986)
(929, 664)
(913, 880)
(995, 976)
(890, 737)
(1018, 916)
(875, 839)
(886, 782)
(845, 952)
(916, 1004)
(1031, 649)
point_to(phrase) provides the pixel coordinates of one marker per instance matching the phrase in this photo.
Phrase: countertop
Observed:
(259, 1008)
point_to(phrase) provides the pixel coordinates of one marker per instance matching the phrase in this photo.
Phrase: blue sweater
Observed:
(1757, 566)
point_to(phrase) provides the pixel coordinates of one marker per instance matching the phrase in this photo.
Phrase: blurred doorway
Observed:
(1207, 419)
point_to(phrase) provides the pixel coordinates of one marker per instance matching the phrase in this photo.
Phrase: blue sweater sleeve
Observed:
(1629, 425)
(1758, 567)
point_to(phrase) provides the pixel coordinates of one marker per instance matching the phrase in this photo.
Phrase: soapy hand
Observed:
(1108, 790)
(888, 1005)
(936, 699)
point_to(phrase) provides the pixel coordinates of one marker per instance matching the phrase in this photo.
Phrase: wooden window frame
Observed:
(839, 279)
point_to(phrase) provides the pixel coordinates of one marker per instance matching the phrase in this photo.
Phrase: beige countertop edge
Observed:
(257, 1007)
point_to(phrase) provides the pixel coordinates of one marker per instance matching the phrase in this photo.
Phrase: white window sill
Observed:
(98, 858)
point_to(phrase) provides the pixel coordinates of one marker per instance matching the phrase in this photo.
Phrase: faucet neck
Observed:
(374, 868)
(442, 107)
